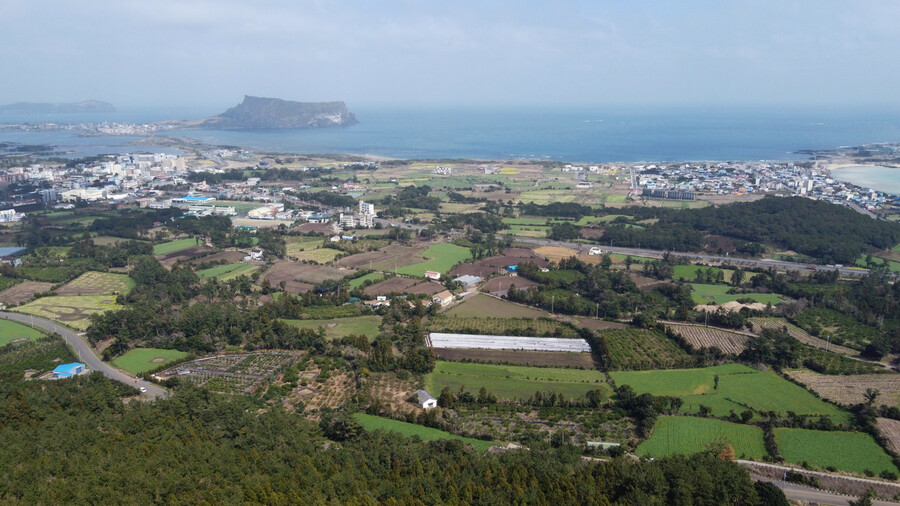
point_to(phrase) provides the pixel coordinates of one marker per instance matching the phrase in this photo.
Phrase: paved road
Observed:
(796, 492)
(86, 354)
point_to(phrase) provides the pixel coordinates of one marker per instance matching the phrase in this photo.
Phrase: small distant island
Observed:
(263, 113)
(88, 106)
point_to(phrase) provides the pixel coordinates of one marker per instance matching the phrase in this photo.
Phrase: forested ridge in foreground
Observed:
(76, 442)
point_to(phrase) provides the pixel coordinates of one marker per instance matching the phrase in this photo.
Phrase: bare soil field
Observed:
(229, 256)
(485, 306)
(321, 228)
(184, 254)
(890, 429)
(426, 288)
(533, 358)
(487, 266)
(393, 285)
(502, 283)
(287, 271)
(645, 283)
(310, 273)
(730, 343)
(851, 389)
(386, 259)
(249, 222)
(23, 292)
(592, 232)
(593, 323)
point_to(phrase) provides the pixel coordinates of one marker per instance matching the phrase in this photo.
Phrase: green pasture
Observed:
(687, 435)
(227, 271)
(507, 381)
(847, 451)
(704, 294)
(141, 360)
(11, 331)
(295, 245)
(173, 246)
(371, 422)
(358, 282)
(337, 328)
(319, 256)
(739, 386)
(441, 257)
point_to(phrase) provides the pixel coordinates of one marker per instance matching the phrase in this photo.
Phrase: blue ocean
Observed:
(576, 134)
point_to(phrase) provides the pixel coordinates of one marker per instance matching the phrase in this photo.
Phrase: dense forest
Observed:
(76, 442)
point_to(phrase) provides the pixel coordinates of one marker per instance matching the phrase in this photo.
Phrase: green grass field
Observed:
(227, 271)
(11, 331)
(506, 381)
(704, 294)
(98, 283)
(141, 360)
(370, 422)
(689, 272)
(687, 435)
(295, 245)
(74, 311)
(847, 451)
(441, 257)
(357, 282)
(337, 328)
(739, 386)
(173, 246)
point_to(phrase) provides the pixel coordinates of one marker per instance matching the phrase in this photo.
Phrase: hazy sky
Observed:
(212, 52)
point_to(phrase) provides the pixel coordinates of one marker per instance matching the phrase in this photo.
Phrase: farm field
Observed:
(704, 294)
(847, 451)
(689, 273)
(555, 253)
(472, 341)
(509, 381)
(760, 390)
(441, 257)
(227, 271)
(371, 422)
(731, 343)
(23, 292)
(319, 256)
(890, 429)
(74, 311)
(843, 328)
(358, 282)
(12, 332)
(849, 390)
(800, 335)
(173, 246)
(393, 285)
(542, 327)
(141, 360)
(532, 358)
(481, 306)
(297, 244)
(97, 283)
(240, 373)
(288, 271)
(337, 328)
(633, 349)
(687, 435)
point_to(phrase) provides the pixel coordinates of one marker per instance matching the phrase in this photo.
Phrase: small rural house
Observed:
(443, 298)
(433, 275)
(426, 401)
(68, 370)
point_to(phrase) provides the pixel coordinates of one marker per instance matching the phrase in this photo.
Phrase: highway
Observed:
(84, 352)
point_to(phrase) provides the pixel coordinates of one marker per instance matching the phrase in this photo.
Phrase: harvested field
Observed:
(184, 254)
(890, 429)
(229, 256)
(645, 283)
(850, 389)
(555, 253)
(319, 255)
(426, 288)
(532, 358)
(472, 341)
(97, 283)
(801, 335)
(492, 265)
(482, 306)
(731, 343)
(595, 324)
(74, 311)
(287, 271)
(317, 273)
(385, 259)
(393, 285)
(23, 292)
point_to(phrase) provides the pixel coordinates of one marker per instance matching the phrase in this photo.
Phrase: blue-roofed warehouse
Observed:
(68, 370)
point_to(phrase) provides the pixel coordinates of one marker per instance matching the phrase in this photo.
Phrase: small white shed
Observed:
(426, 401)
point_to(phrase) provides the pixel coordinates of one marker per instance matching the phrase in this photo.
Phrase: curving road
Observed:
(86, 354)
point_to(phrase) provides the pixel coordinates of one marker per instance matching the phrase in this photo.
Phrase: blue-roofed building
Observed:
(467, 280)
(68, 370)
(512, 268)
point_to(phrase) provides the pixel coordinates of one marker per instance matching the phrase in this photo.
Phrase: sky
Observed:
(210, 53)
